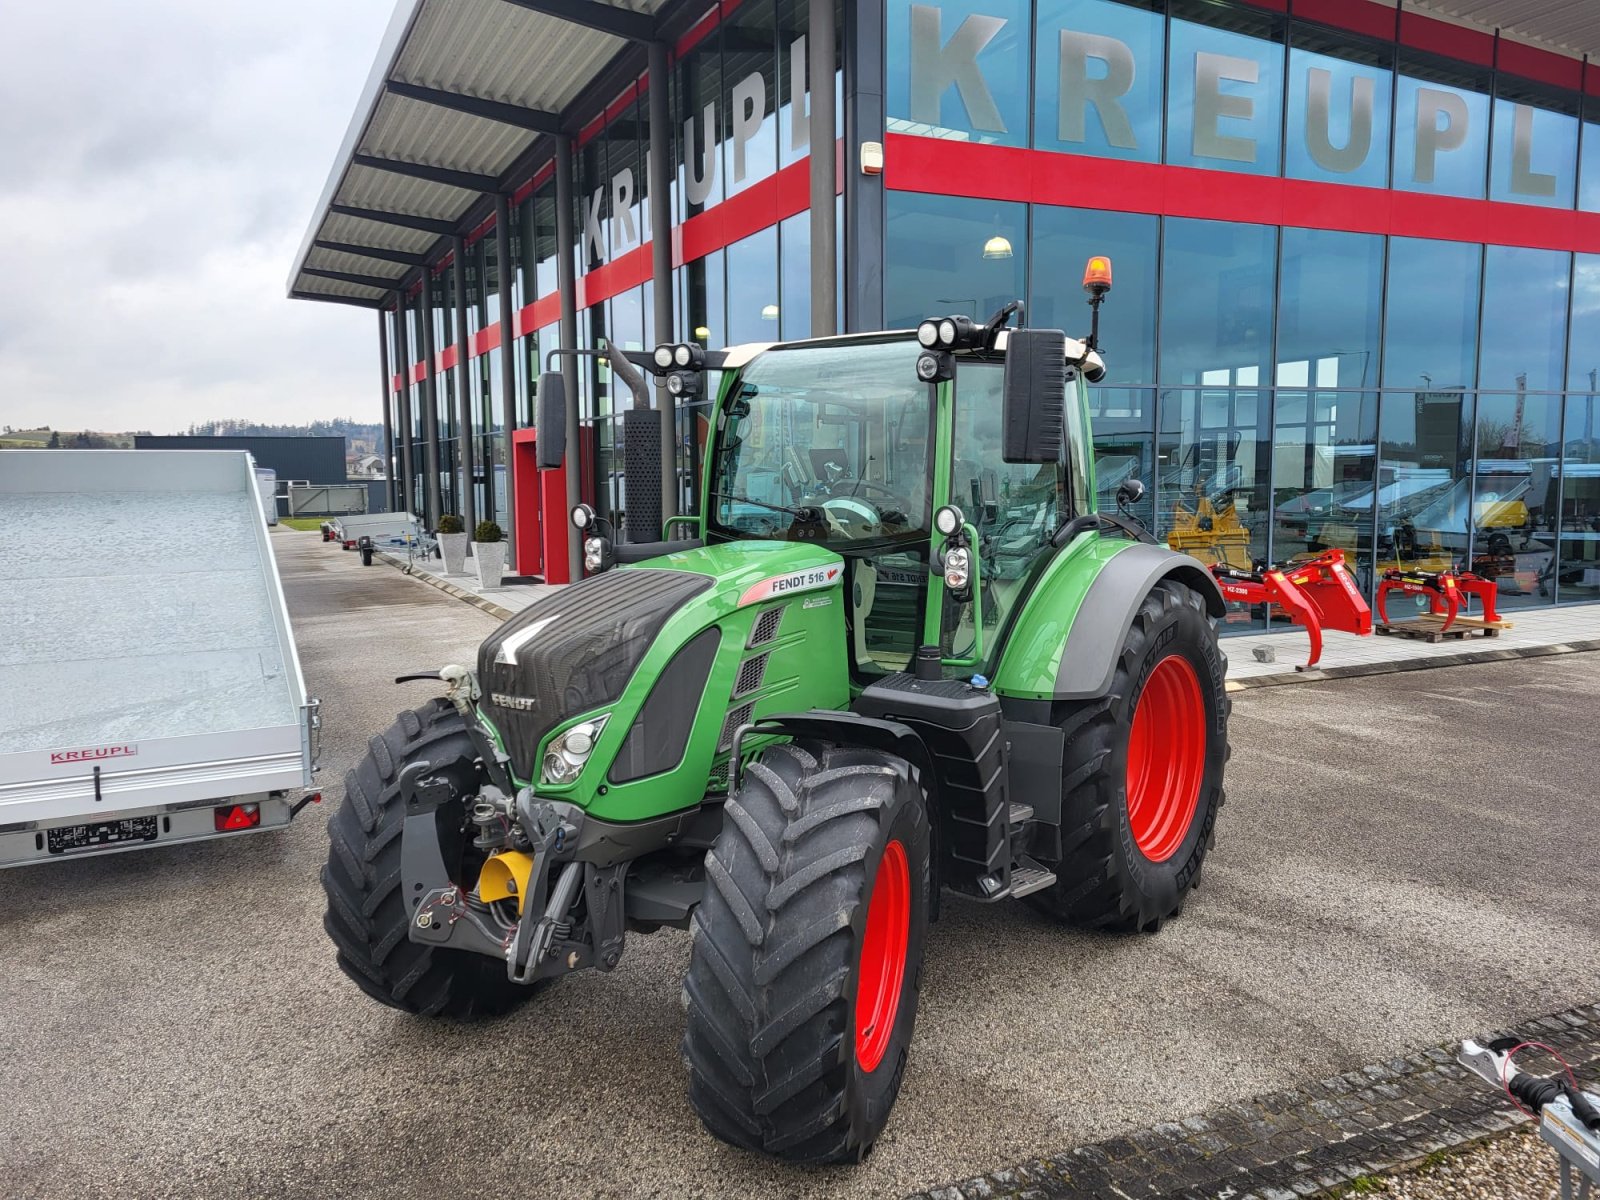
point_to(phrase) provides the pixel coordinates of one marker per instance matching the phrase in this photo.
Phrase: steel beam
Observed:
(534, 119)
(821, 39)
(388, 405)
(508, 377)
(660, 185)
(467, 181)
(403, 220)
(864, 90)
(465, 449)
(404, 258)
(353, 301)
(607, 18)
(371, 281)
(567, 284)
(407, 424)
(430, 408)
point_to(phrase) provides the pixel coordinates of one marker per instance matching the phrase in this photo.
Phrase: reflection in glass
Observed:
(1431, 328)
(1324, 454)
(794, 276)
(1583, 354)
(1514, 500)
(753, 288)
(1338, 123)
(1217, 303)
(1578, 519)
(1524, 319)
(1063, 240)
(1224, 99)
(959, 68)
(1099, 79)
(1441, 127)
(1423, 489)
(1330, 305)
(942, 257)
(1533, 155)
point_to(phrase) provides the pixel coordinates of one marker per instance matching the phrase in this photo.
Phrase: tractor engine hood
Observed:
(576, 650)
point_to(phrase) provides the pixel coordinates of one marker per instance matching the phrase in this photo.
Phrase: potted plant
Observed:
(453, 544)
(489, 552)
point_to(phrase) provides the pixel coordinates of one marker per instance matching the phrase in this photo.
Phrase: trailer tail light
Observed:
(238, 816)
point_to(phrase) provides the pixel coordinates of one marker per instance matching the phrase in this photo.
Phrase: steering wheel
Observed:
(851, 517)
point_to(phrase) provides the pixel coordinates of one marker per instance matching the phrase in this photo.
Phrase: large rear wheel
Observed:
(367, 915)
(807, 954)
(1142, 772)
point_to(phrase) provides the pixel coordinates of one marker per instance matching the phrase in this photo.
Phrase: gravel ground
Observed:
(1516, 1167)
(1402, 860)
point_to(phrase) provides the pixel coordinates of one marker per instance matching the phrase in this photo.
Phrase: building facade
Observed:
(1356, 246)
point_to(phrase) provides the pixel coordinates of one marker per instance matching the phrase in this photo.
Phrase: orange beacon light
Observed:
(1097, 276)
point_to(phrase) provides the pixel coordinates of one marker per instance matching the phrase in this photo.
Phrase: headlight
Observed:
(594, 554)
(568, 751)
(675, 384)
(957, 567)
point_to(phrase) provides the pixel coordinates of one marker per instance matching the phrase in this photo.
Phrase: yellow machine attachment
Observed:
(1209, 533)
(505, 875)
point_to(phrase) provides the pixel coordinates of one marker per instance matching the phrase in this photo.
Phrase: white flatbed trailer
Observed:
(150, 692)
(387, 530)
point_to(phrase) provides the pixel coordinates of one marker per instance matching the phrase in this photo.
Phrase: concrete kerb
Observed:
(449, 589)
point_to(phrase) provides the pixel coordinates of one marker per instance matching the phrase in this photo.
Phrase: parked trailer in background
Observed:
(327, 499)
(267, 489)
(149, 687)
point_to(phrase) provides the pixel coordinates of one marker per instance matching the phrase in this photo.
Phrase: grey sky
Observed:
(159, 162)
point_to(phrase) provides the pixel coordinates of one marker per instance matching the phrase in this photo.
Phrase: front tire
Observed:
(367, 915)
(807, 955)
(1142, 772)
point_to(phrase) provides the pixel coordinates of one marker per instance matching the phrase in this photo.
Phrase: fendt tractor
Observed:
(897, 654)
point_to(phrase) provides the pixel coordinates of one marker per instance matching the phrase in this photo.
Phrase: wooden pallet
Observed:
(1429, 627)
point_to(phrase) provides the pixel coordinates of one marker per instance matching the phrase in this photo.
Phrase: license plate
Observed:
(100, 833)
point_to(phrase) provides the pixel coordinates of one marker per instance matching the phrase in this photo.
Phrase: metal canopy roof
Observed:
(458, 94)
(1569, 25)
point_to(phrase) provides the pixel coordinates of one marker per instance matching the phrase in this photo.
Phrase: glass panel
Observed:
(1099, 72)
(948, 254)
(1217, 303)
(544, 217)
(753, 288)
(1513, 507)
(1431, 330)
(794, 275)
(1524, 319)
(1441, 122)
(1225, 94)
(794, 132)
(707, 304)
(1579, 519)
(959, 68)
(1324, 453)
(1124, 445)
(1330, 305)
(750, 99)
(1339, 101)
(1583, 356)
(1063, 240)
(1533, 157)
(697, 88)
(1589, 163)
(1425, 444)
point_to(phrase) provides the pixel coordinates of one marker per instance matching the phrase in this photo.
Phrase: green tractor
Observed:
(899, 654)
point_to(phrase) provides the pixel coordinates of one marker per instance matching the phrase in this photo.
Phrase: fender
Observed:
(1065, 643)
(851, 729)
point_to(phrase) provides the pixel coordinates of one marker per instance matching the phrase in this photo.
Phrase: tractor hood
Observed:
(578, 650)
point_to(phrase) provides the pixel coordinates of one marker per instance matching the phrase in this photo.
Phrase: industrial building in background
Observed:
(1357, 246)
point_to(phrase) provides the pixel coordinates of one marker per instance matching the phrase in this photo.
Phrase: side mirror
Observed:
(1129, 493)
(552, 420)
(1035, 394)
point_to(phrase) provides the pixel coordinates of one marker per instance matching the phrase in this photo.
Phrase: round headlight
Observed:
(663, 357)
(681, 356)
(927, 367)
(928, 333)
(948, 519)
(558, 769)
(675, 384)
(957, 568)
(947, 332)
(582, 516)
(580, 741)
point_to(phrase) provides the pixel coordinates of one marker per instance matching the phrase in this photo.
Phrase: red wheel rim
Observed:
(883, 957)
(1166, 758)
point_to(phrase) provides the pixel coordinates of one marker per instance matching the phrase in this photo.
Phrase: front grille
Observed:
(751, 673)
(739, 716)
(766, 627)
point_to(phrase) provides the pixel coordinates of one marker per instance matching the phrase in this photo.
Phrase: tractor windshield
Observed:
(826, 443)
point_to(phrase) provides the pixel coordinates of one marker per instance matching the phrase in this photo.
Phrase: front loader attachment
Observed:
(1318, 594)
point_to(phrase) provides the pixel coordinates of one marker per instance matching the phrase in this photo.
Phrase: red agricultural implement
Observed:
(1317, 593)
(1444, 591)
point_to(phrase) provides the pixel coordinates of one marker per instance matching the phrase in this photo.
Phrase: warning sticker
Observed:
(808, 580)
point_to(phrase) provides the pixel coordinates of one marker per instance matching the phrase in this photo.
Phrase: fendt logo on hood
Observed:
(520, 703)
(795, 581)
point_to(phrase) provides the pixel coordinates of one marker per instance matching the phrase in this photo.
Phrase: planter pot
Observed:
(491, 560)
(454, 548)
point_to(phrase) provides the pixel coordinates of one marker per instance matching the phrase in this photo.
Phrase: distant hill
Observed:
(45, 438)
(360, 438)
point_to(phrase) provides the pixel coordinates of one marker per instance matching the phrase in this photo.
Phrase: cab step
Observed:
(1028, 876)
(1020, 813)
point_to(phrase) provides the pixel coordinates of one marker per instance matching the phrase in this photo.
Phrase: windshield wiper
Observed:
(800, 514)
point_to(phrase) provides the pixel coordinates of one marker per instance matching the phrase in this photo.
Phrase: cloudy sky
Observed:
(159, 162)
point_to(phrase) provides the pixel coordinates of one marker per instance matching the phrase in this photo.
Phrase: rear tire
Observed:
(367, 915)
(1130, 867)
(807, 955)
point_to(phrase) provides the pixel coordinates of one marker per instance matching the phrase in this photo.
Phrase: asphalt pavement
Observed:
(1402, 859)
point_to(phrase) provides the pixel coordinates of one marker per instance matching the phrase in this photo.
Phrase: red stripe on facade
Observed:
(485, 340)
(394, 383)
(616, 108)
(419, 372)
(1530, 62)
(701, 29)
(1370, 20)
(478, 234)
(539, 176)
(915, 164)
(1441, 37)
(448, 357)
(750, 211)
(534, 317)
(621, 273)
